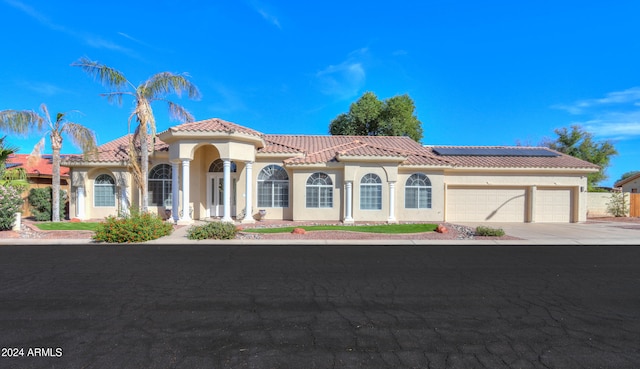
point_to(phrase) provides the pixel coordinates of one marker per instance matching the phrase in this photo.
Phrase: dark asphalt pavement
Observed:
(320, 306)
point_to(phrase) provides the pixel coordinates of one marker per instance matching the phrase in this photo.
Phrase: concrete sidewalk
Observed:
(599, 233)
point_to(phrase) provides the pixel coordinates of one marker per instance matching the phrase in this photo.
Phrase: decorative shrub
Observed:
(40, 202)
(489, 232)
(133, 228)
(617, 205)
(10, 204)
(213, 230)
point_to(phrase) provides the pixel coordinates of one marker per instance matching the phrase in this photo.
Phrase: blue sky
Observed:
(480, 72)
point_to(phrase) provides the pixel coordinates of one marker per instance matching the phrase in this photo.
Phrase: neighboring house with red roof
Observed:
(39, 174)
(228, 171)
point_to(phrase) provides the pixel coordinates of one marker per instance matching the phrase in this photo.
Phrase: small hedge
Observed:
(213, 230)
(40, 200)
(134, 228)
(489, 232)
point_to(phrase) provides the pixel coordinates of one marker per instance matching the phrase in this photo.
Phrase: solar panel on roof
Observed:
(493, 151)
(11, 165)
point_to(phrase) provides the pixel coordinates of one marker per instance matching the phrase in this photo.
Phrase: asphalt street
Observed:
(189, 306)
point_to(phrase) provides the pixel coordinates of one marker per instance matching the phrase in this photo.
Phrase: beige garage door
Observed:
(553, 205)
(486, 204)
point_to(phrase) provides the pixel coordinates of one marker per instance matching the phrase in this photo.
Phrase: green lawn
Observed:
(67, 226)
(383, 228)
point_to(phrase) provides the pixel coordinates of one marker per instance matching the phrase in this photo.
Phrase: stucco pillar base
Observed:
(247, 221)
(392, 221)
(185, 221)
(348, 221)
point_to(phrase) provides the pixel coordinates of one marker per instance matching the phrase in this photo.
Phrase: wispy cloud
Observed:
(42, 88)
(227, 101)
(266, 13)
(345, 79)
(88, 38)
(269, 18)
(631, 95)
(615, 116)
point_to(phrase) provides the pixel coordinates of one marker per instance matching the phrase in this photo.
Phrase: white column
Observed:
(226, 190)
(175, 191)
(348, 218)
(392, 202)
(186, 218)
(124, 201)
(248, 217)
(80, 203)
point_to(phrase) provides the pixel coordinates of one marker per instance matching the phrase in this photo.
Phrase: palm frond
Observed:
(36, 154)
(178, 112)
(109, 77)
(115, 97)
(164, 83)
(81, 137)
(20, 121)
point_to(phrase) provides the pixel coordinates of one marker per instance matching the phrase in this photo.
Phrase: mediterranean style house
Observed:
(221, 170)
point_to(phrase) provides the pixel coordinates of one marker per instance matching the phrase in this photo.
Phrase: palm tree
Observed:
(5, 151)
(153, 89)
(21, 121)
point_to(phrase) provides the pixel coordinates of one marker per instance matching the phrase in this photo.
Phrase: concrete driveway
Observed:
(592, 233)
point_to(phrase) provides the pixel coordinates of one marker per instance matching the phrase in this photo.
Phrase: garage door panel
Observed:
(486, 205)
(553, 205)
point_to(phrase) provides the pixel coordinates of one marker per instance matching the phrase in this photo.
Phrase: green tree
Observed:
(157, 87)
(21, 121)
(579, 143)
(371, 117)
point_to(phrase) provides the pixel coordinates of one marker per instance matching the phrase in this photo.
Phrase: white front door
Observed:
(215, 195)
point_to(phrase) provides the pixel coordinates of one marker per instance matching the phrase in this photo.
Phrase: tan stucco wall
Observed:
(85, 177)
(436, 213)
(272, 213)
(300, 210)
(355, 174)
(597, 203)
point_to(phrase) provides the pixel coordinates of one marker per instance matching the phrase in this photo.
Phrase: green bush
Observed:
(489, 232)
(10, 204)
(213, 230)
(40, 202)
(133, 228)
(617, 205)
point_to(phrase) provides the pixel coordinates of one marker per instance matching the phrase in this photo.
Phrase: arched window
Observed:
(417, 192)
(273, 187)
(319, 191)
(371, 192)
(217, 166)
(104, 191)
(160, 185)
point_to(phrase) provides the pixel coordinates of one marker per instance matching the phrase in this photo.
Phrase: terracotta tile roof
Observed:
(115, 151)
(324, 149)
(214, 125)
(41, 166)
(502, 161)
(309, 149)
